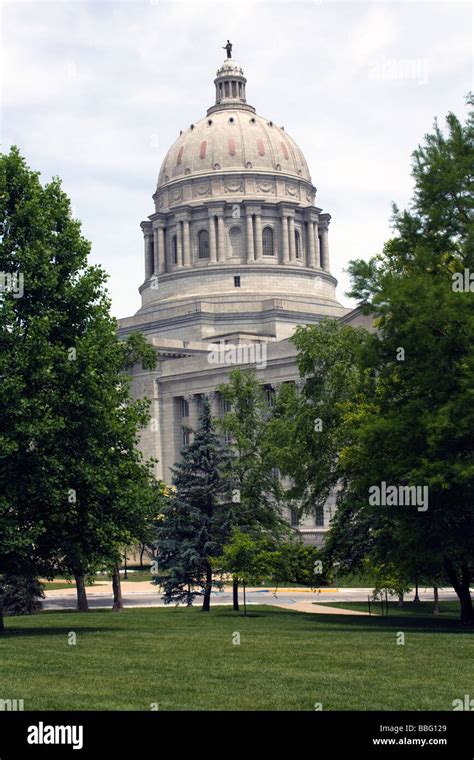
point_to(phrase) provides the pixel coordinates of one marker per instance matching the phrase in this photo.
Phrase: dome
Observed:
(235, 229)
(232, 137)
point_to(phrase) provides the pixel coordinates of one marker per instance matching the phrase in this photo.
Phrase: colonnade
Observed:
(313, 248)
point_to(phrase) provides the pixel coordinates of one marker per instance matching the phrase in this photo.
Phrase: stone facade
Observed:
(236, 253)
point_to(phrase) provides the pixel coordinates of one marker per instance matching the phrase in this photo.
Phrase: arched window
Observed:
(203, 244)
(174, 248)
(298, 245)
(267, 241)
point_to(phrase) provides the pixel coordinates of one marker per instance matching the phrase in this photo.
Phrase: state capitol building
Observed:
(237, 252)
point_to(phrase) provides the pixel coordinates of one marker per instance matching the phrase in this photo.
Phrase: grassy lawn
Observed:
(185, 660)
(137, 575)
(61, 583)
(421, 610)
(354, 580)
(53, 585)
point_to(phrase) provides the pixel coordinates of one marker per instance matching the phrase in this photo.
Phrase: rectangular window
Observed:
(319, 517)
(270, 396)
(184, 407)
(226, 406)
(236, 282)
(294, 518)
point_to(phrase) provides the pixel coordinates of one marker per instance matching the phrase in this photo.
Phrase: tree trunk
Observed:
(436, 600)
(416, 598)
(206, 604)
(117, 589)
(461, 587)
(235, 593)
(400, 600)
(2, 624)
(82, 604)
(142, 552)
(245, 601)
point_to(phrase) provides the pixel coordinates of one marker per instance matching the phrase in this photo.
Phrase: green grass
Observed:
(354, 580)
(185, 660)
(53, 585)
(421, 610)
(61, 583)
(137, 576)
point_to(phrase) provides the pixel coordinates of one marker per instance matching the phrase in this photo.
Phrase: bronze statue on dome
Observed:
(228, 48)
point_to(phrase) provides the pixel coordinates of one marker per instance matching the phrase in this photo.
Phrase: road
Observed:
(144, 595)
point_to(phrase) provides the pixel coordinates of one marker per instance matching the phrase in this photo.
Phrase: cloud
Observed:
(97, 92)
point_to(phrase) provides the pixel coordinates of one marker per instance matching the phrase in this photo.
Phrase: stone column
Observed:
(316, 244)
(179, 243)
(214, 400)
(212, 238)
(292, 239)
(311, 244)
(156, 263)
(193, 419)
(148, 257)
(250, 246)
(221, 237)
(258, 236)
(284, 240)
(324, 249)
(160, 248)
(186, 244)
(173, 439)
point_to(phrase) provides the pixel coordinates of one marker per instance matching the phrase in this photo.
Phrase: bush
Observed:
(21, 594)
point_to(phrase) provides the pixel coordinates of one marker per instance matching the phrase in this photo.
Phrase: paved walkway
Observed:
(319, 609)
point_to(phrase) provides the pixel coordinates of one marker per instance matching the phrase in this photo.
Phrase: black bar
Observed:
(116, 734)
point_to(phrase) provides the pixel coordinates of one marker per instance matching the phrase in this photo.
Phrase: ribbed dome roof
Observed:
(232, 137)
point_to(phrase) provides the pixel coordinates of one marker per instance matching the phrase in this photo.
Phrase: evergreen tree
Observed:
(20, 594)
(195, 521)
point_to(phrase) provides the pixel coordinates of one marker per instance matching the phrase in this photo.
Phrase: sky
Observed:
(96, 92)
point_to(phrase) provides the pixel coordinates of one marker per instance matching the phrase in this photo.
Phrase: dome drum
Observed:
(218, 285)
